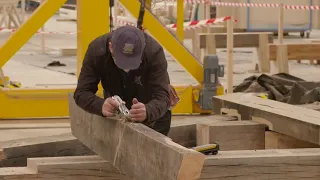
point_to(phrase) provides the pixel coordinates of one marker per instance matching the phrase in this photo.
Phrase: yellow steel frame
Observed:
(39, 103)
(28, 29)
(165, 38)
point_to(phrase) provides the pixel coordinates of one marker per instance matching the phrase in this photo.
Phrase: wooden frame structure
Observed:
(209, 42)
(283, 53)
(288, 149)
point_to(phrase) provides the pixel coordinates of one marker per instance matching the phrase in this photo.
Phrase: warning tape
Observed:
(216, 3)
(292, 7)
(266, 5)
(201, 23)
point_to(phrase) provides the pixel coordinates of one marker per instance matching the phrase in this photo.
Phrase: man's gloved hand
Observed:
(109, 107)
(138, 111)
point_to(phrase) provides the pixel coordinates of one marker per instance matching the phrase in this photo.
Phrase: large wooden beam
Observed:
(135, 149)
(283, 164)
(276, 140)
(232, 135)
(15, 152)
(240, 39)
(298, 122)
(303, 51)
(183, 131)
(71, 168)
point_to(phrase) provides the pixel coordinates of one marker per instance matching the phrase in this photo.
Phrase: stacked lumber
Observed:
(72, 168)
(15, 152)
(270, 140)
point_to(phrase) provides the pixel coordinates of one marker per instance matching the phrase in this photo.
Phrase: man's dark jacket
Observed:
(148, 83)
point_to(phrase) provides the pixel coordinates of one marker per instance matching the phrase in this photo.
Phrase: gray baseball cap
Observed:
(128, 43)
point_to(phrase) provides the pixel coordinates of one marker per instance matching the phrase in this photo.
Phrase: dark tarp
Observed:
(282, 87)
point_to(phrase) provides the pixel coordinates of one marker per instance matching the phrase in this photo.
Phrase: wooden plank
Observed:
(15, 152)
(240, 39)
(183, 131)
(232, 135)
(298, 122)
(68, 51)
(276, 140)
(134, 148)
(263, 165)
(282, 59)
(314, 106)
(71, 168)
(297, 51)
(263, 53)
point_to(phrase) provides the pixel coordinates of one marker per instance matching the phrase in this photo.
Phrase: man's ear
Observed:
(110, 47)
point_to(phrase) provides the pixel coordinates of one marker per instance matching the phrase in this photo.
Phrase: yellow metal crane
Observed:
(39, 103)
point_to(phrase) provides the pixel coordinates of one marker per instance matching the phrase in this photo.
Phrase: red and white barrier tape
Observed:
(244, 4)
(190, 1)
(216, 3)
(292, 7)
(200, 23)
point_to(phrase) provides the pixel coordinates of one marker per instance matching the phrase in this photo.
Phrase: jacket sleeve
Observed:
(158, 80)
(85, 93)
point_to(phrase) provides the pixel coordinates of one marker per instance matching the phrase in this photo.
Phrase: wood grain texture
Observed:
(232, 135)
(285, 164)
(70, 168)
(298, 122)
(240, 39)
(263, 53)
(276, 140)
(297, 51)
(183, 131)
(135, 149)
(282, 63)
(15, 152)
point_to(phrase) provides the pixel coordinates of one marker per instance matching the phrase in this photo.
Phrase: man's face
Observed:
(111, 50)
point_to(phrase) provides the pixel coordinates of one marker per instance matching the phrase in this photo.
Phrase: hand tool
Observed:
(123, 112)
(208, 149)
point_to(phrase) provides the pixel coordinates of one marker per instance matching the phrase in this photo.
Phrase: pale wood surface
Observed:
(138, 151)
(282, 59)
(298, 122)
(276, 140)
(263, 55)
(286, 164)
(280, 23)
(70, 168)
(301, 51)
(232, 135)
(183, 131)
(15, 152)
(230, 46)
(240, 39)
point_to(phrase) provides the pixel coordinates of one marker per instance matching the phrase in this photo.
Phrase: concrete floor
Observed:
(28, 66)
